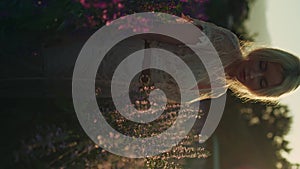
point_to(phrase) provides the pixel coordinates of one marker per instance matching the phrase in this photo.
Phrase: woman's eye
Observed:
(263, 65)
(263, 83)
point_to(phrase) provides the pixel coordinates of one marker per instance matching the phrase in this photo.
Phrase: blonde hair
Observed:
(291, 75)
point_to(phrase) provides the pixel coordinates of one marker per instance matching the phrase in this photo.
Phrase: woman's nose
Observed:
(254, 75)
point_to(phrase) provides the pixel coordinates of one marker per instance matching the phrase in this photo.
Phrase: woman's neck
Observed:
(231, 69)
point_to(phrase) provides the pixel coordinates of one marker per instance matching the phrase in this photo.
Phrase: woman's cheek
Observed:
(256, 84)
(252, 84)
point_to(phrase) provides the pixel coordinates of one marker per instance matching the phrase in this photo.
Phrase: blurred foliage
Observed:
(66, 146)
(47, 134)
(34, 23)
(250, 132)
(231, 14)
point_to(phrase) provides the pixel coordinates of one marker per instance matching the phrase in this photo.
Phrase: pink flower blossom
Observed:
(85, 4)
(104, 16)
(116, 1)
(101, 5)
(108, 23)
(120, 6)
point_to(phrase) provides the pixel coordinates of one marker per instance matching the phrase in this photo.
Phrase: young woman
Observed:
(261, 74)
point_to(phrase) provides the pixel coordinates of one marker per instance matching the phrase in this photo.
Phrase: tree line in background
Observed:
(46, 132)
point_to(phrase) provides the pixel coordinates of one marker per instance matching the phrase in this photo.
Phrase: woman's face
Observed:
(256, 74)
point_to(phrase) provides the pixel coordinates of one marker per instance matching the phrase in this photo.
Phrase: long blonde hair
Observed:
(291, 74)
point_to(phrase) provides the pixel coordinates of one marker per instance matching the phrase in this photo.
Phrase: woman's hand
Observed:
(186, 17)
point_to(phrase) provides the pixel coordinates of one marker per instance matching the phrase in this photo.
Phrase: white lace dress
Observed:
(224, 41)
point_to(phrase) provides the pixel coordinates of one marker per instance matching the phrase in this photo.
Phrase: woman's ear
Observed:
(247, 58)
(251, 56)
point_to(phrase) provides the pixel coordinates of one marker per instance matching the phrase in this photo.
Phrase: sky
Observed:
(277, 24)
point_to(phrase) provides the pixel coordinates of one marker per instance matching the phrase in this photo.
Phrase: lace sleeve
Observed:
(227, 45)
(225, 42)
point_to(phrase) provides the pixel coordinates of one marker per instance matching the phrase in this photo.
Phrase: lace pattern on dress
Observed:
(225, 43)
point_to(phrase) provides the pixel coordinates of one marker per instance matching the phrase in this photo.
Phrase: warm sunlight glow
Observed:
(276, 23)
(283, 26)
